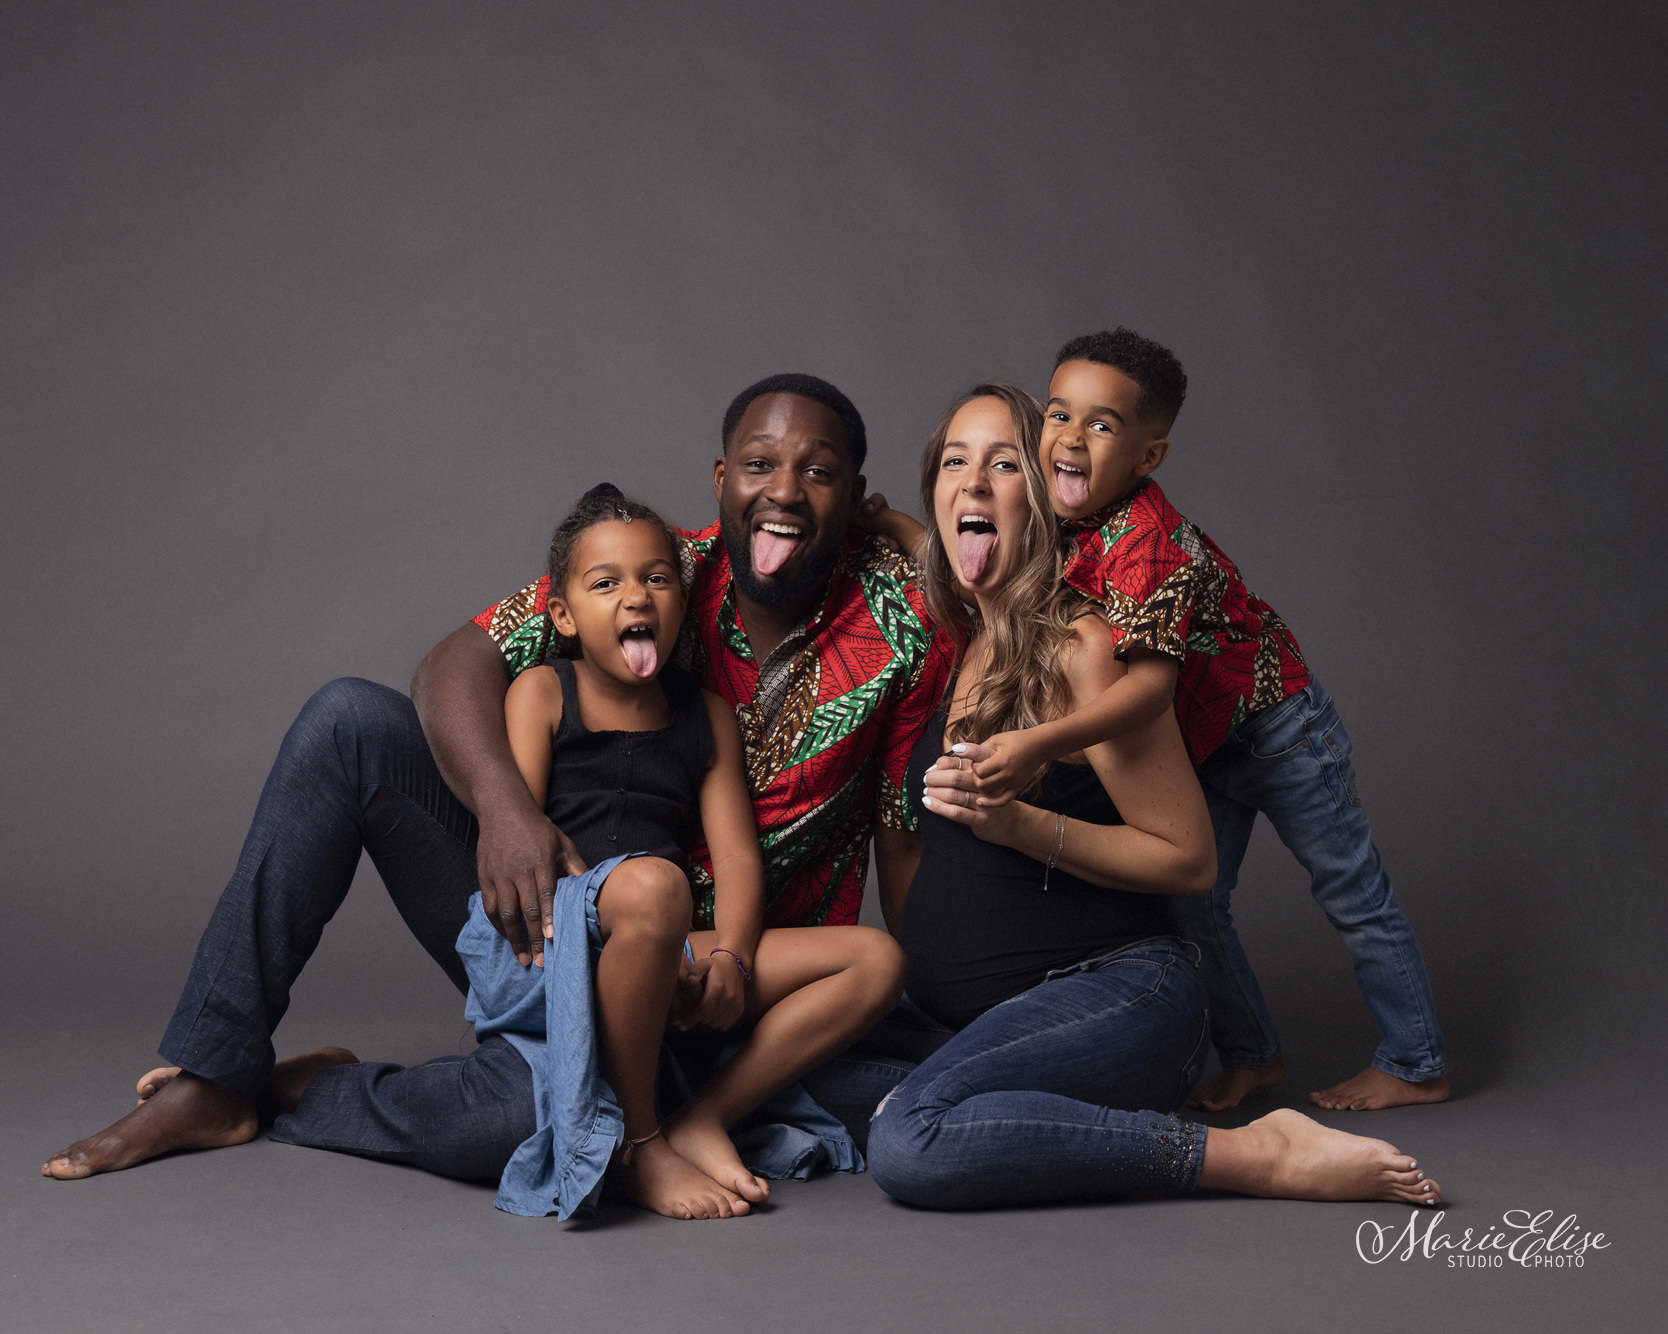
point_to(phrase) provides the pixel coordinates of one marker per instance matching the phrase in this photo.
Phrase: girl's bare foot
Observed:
(659, 1179)
(1372, 1089)
(703, 1141)
(185, 1112)
(1229, 1088)
(1286, 1155)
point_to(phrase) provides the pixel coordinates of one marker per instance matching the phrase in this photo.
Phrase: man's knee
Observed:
(645, 896)
(352, 719)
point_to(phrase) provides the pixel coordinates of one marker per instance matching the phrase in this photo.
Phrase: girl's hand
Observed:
(952, 788)
(723, 994)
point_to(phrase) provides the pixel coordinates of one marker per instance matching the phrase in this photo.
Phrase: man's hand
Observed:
(518, 860)
(952, 785)
(1012, 760)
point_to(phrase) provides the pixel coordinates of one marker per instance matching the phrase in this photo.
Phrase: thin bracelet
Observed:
(1059, 845)
(746, 976)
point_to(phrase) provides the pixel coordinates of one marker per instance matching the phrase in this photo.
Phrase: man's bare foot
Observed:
(184, 1113)
(703, 1141)
(659, 1179)
(1372, 1089)
(1286, 1155)
(1229, 1088)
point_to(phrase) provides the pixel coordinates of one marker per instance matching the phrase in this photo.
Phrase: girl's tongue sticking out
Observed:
(637, 646)
(771, 549)
(975, 541)
(1071, 486)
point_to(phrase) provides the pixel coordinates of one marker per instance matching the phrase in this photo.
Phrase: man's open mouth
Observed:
(773, 544)
(1071, 484)
(975, 543)
(641, 653)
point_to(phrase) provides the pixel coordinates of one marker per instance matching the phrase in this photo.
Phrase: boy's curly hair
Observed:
(1161, 377)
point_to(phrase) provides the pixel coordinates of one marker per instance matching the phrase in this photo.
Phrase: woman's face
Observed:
(979, 499)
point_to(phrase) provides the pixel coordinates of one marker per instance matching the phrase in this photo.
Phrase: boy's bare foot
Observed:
(1229, 1088)
(1372, 1089)
(290, 1077)
(184, 1113)
(703, 1141)
(1286, 1155)
(659, 1179)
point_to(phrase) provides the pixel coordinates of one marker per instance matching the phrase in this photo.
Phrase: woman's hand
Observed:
(952, 790)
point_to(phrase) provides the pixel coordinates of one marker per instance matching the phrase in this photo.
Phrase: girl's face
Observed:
(979, 499)
(622, 599)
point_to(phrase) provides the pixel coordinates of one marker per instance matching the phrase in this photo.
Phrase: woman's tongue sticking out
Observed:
(974, 544)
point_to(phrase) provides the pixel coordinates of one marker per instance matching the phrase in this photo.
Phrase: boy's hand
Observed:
(951, 791)
(723, 994)
(1012, 760)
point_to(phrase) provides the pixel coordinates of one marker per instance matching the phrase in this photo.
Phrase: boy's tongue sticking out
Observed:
(1071, 486)
(637, 646)
(772, 545)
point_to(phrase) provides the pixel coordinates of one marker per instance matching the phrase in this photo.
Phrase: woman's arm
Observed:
(737, 870)
(1164, 846)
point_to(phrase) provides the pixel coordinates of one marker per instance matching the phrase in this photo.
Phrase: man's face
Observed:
(786, 490)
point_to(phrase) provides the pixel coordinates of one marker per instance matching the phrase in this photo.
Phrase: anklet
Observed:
(630, 1148)
(746, 976)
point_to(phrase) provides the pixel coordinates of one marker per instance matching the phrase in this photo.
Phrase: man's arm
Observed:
(897, 854)
(459, 692)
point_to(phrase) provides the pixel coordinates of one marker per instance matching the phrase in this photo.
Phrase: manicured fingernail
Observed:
(1420, 1176)
(1414, 1163)
(959, 748)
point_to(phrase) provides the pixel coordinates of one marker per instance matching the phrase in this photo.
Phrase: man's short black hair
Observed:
(806, 386)
(1161, 377)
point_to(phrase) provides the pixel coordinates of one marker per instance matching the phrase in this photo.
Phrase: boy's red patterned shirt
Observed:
(1165, 586)
(830, 735)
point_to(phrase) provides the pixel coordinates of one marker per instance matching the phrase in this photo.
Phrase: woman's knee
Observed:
(906, 1156)
(645, 896)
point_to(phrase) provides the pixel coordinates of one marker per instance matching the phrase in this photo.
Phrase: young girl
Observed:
(625, 752)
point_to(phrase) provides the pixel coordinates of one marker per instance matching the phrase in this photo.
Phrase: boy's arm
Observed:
(876, 516)
(1143, 692)
(737, 872)
(459, 691)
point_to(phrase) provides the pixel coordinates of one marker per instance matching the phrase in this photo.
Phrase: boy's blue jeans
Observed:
(1291, 761)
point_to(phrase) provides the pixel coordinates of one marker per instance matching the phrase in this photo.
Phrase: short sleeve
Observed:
(1149, 579)
(519, 627)
(907, 718)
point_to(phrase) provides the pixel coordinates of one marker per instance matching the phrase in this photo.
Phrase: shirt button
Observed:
(619, 791)
(611, 838)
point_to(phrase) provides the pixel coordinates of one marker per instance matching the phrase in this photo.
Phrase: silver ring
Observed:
(958, 764)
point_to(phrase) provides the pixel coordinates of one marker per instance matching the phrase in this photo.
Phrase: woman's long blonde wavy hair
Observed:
(1031, 615)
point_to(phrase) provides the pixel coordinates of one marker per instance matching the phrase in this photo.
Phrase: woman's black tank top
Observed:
(978, 926)
(618, 792)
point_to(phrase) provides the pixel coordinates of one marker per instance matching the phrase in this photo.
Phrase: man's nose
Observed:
(785, 487)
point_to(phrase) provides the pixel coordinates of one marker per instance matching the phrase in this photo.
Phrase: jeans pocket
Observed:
(1277, 730)
(1337, 745)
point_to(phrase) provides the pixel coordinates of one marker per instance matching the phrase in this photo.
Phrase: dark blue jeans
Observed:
(1061, 1093)
(353, 774)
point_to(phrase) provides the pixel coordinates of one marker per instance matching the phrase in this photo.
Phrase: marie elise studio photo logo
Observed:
(1521, 1238)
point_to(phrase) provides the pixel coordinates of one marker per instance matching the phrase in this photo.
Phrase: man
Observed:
(814, 634)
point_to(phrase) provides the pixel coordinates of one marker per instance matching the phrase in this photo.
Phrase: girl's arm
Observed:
(737, 869)
(1165, 845)
(532, 713)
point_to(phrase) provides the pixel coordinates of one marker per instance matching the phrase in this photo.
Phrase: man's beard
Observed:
(816, 568)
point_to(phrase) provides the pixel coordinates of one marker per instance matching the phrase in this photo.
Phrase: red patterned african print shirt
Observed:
(1167, 587)
(828, 720)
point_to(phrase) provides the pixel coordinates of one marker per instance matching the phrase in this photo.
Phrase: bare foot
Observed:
(153, 1080)
(659, 1179)
(703, 1141)
(184, 1113)
(1286, 1155)
(1229, 1088)
(1373, 1089)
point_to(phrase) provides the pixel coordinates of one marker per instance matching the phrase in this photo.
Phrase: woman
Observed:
(1037, 932)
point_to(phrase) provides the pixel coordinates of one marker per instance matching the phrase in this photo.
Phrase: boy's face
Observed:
(1095, 447)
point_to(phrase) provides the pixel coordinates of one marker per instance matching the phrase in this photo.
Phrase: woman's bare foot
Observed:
(703, 1141)
(1372, 1089)
(1286, 1155)
(1229, 1088)
(185, 1112)
(659, 1179)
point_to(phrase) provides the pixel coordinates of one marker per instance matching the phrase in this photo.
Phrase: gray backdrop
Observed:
(316, 317)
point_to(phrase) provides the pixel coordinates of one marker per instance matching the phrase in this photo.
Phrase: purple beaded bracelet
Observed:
(746, 976)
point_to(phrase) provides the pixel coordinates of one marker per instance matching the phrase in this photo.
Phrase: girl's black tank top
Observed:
(619, 792)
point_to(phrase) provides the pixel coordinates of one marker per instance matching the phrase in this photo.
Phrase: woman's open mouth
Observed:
(975, 543)
(641, 653)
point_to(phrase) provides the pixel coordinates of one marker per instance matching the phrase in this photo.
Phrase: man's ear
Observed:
(718, 479)
(1154, 454)
(561, 618)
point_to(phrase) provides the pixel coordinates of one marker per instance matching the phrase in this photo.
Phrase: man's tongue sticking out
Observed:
(1072, 488)
(973, 548)
(771, 550)
(641, 655)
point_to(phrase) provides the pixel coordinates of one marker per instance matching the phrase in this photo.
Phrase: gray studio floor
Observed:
(269, 1237)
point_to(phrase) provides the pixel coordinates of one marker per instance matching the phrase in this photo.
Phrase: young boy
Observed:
(1261, 730)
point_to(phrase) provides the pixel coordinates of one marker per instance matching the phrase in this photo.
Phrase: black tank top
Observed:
(617, 792)
(978, 926)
